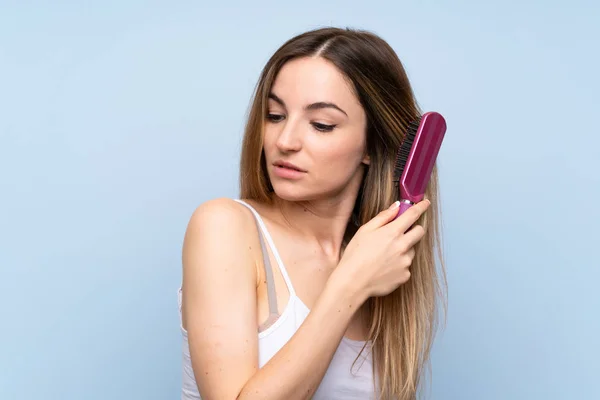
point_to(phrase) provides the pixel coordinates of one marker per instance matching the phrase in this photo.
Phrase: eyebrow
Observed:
(314, 106)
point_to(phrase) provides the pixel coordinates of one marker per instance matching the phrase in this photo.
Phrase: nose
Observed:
(290, 137)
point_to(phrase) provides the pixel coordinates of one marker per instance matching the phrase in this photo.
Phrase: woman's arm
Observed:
(219, 294)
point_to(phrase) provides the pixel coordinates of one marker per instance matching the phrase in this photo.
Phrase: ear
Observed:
(366, 160)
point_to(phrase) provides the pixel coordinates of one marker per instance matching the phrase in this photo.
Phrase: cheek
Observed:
(339, 160)
(269, 139)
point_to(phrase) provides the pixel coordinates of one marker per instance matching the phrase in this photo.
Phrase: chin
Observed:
(297, 192)
(292, 191)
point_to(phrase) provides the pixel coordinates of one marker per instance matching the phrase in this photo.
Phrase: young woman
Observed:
(306, 286)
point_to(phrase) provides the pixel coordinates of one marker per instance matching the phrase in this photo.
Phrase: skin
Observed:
(224, 292)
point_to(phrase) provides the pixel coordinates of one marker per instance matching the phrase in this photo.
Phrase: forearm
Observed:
(297, 369)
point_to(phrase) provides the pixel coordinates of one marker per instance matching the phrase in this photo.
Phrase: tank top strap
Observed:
(265, 232)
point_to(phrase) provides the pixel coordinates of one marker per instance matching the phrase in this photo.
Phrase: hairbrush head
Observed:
(417, 155)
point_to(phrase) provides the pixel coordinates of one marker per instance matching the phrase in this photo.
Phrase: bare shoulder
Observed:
(217, 226)
(220, 218)
(218, 211)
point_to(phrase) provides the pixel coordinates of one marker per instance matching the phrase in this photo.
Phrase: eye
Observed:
(323, 127)
(275, 117)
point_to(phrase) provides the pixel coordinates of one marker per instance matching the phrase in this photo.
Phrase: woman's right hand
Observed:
(378, 258)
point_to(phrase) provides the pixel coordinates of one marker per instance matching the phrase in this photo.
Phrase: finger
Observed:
(413, 236)
(410, 216)
(411, 253)
(408, 257)
(383, 217)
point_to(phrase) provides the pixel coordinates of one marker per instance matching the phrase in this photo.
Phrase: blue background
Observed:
(117, 118)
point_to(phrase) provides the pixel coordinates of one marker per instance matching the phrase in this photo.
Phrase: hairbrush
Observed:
(416, 158)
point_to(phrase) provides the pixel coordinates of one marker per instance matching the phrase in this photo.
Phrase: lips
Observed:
(288, 165)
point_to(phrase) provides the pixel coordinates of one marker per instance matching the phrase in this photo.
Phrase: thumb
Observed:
(384, 217)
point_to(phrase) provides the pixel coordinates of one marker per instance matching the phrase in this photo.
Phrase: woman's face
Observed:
(315, 132)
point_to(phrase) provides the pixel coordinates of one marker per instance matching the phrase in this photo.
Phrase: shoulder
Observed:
(220, 225)
(219, 209)
(219, 218)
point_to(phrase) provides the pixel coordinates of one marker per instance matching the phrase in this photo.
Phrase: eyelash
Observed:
(275, 118)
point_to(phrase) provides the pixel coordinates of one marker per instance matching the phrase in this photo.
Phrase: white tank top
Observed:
(344, 379)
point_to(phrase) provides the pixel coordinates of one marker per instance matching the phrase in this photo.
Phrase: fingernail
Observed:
(395, 205)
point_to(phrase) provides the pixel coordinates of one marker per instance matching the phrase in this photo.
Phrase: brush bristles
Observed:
(404, 151)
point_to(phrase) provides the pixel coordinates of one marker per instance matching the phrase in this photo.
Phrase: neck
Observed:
(322, 220)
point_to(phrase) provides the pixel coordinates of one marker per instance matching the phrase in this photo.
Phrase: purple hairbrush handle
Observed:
(404, 205)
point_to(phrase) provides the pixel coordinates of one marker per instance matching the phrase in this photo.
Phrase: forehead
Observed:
(308, 80)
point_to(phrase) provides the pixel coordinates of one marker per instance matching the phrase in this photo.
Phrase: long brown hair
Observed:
(403, 322)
